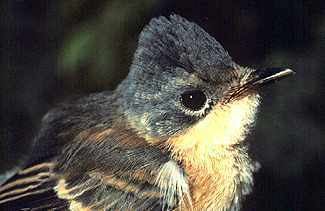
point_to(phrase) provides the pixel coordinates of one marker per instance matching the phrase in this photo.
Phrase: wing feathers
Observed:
(31, 189)
(100, 169)
(28, 181)
(114, 168)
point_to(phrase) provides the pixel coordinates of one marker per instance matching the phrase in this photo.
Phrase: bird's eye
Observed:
(193, 99)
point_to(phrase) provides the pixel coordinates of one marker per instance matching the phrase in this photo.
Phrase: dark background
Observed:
(51, 50)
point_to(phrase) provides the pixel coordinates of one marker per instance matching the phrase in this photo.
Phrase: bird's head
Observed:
(183, 86)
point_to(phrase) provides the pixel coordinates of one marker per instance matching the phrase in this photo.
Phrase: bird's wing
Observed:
(31, 189)
(102, 168)
(113, 169)
(98, 191)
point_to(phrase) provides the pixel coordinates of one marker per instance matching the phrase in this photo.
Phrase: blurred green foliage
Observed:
(99, 47)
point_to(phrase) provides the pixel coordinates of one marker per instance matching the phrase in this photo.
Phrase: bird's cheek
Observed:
(224, 125)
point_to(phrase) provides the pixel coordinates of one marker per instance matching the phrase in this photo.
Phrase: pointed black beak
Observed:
(259, 78)
(269, 75)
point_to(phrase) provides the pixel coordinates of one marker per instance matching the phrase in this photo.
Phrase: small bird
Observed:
(171, 136)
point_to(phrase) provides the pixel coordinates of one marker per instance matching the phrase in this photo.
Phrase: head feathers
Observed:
(174, 41)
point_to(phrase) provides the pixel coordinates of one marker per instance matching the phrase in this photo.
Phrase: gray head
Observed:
(179, 75)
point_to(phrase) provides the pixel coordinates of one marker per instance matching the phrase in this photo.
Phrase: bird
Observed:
(171, 136)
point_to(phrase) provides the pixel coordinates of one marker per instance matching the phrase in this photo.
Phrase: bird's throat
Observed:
(217, 164)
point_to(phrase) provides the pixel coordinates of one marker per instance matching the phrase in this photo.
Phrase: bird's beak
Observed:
(259, 78)
(269, 75)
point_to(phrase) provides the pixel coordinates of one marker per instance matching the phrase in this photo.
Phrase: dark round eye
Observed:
(193, 99)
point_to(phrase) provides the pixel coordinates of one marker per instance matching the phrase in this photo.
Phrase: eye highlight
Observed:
(193, 100)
